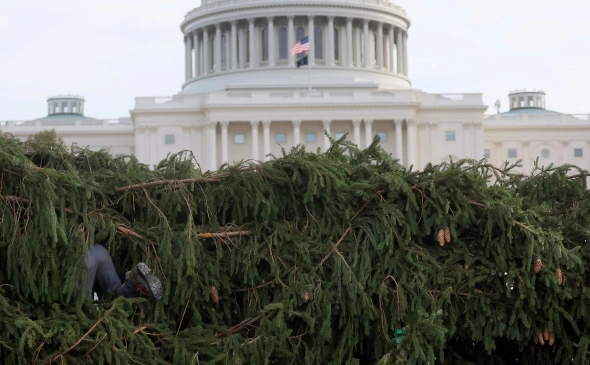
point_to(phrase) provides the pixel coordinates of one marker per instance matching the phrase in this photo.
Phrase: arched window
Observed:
(264, 47)
(223, 53)
(300, 34)
(283, 46)
(336, 45)
(318, 46)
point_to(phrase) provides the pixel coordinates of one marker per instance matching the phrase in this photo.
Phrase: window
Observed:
(300, 34)
(450, 136)
(486, 153)
(66, 108)
(374, 58)
(281, 138)
(264, 47)
(75, 108)
(512, 153)
(310, 137)
(336, 45)
(578, 152)
(239, 138)
(283, 44)
(339, 135)
(238, 48)
(318, 40)
(382, 136)
(57, 108)
(169, 139)
(545, 153)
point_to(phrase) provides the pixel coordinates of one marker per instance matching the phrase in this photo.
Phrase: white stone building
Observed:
(244, 96)
(528, 132)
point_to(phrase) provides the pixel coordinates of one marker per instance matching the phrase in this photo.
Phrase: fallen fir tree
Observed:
(343, 257)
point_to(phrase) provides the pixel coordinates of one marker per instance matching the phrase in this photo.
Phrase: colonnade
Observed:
(211, 134)
(266, 41)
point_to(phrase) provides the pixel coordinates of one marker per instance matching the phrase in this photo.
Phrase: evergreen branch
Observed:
(334, 248)
(578, 346)
(245, 323)
(253, 288)
(129, 232)
(215, 178)
(61, 354)
(223, 234)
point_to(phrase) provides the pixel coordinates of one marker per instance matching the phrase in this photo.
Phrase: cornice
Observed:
(353, 6)
(537, 127)
(310, 105)
(164, 111)
(454, 107)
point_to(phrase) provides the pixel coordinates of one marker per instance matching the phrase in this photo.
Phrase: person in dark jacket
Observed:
(103, 278)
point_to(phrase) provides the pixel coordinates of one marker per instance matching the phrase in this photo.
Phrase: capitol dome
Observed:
(354, 43)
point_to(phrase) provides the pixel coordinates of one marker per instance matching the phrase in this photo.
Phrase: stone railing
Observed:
(65, 124)
(534, 119)
(217, 5)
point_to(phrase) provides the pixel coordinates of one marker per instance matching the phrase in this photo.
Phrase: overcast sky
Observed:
(111, 51)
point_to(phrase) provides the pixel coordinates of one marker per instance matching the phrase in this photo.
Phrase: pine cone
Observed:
(559, 276)
(541, 340)
(441, 237)
(447, 235)
(538, 265)
(546, 334)
(551, 338)
(306, 297)
(214, 294)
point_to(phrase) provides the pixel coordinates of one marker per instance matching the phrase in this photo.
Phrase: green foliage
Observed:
(317, 259)
(45, 137)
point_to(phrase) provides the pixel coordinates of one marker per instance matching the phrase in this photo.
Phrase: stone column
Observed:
(254, 125)
(349, 42)
(234, 46)
(331, 47)
(357, 46)
(296, 132)
(311, 33)
(217, 48)
(326, 123)
(379, 41)
(227, 63)
(390, 51)
(405, 41)
(271, 41)
(206, 48)
(197, 55)
(187, 58)
(368, 131)
(212, 137)
(224, 142)
(411, 129)
(242, 48)
(526, 166)
(251, 42)
(291, 39)
(266, 136)
(398, 141)
(400, 51)
(367, 48)
(356, 123)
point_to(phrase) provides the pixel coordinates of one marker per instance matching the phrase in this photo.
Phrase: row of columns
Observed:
(368, 124)
(200, 40)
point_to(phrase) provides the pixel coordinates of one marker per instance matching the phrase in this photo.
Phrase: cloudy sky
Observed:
(111, 51)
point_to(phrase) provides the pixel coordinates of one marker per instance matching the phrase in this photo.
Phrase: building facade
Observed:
(244, 97)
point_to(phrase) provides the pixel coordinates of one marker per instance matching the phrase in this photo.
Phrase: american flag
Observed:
(301, 46)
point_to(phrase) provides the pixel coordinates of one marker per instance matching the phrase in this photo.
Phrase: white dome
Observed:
(246, 43)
